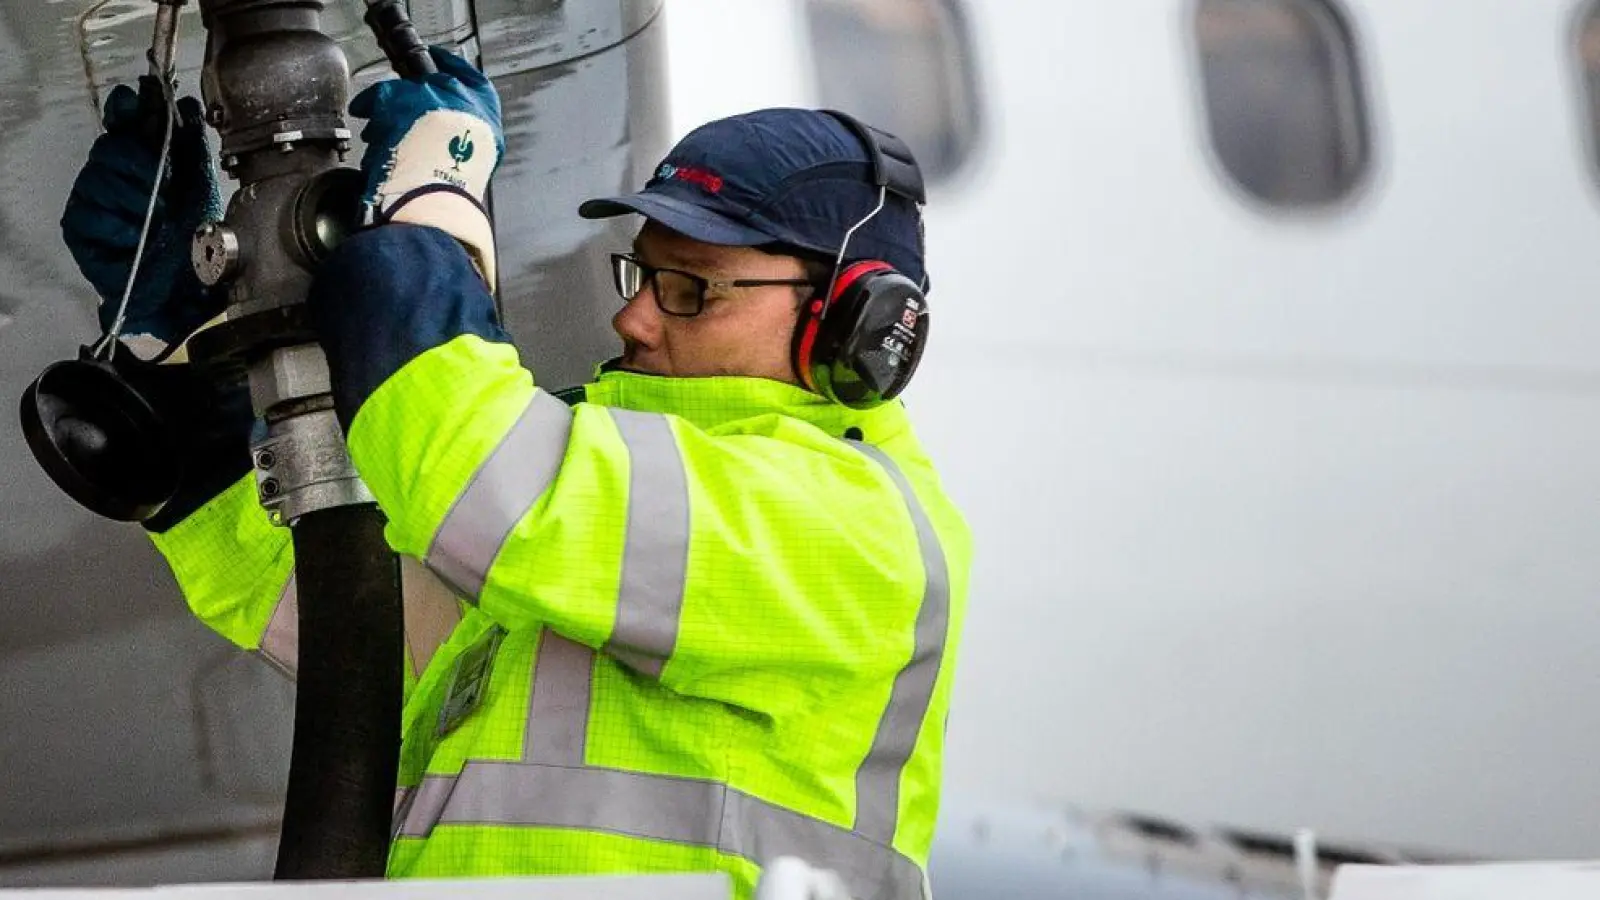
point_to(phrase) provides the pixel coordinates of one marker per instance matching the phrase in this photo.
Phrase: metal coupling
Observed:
(302, 466)
(290, 376)
(274, 80)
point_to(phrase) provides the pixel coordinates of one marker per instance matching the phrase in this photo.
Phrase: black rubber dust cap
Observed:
(100, 440)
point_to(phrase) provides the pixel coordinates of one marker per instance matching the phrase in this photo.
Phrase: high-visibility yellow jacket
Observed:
(716, 617)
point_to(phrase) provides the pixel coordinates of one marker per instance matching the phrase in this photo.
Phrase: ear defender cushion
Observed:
(805, 341)
(824, 325)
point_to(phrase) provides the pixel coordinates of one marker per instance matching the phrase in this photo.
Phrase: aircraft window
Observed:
(1588, 36)
(1284, 98)
(905, 66)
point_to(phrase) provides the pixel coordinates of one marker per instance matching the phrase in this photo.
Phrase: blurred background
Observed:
(1262, 363)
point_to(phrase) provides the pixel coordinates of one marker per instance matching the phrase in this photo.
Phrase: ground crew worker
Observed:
(716, 611)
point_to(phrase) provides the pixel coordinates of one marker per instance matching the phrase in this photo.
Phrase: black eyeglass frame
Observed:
(648, 273)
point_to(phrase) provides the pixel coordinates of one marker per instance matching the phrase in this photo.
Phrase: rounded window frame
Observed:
(1344, 39)
(1586, 88)
(962, 61)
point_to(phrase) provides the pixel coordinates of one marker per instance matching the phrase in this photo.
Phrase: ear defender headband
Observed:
(859, 342)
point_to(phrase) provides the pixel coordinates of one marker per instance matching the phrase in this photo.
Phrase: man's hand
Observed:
(432, 146)
(101, 227)
(106, 210)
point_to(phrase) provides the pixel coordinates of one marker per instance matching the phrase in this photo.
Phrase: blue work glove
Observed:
(107, 207)
(209, 420)
(432, 146)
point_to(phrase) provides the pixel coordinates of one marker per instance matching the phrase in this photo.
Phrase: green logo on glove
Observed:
(461, 148)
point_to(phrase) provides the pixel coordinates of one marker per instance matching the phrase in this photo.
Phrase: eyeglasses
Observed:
(678, 293)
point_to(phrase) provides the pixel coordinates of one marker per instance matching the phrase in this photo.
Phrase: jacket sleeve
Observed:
(236, 572)
(719, 563)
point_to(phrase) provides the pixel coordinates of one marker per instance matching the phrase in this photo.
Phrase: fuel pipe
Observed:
(275, 88)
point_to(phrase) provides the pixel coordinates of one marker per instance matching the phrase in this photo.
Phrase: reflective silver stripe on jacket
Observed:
(553, 786)
(878, 779)
(503, 489)
(280, 643)
(655, 554)
(558, 703)
(657, 807)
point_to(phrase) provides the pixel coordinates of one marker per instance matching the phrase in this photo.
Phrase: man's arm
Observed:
(235, 569)
(721, 565)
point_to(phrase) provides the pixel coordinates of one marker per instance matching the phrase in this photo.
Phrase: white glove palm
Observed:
(432, 146)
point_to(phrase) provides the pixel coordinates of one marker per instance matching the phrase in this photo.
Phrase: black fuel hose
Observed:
(342, 774)
(343, 768)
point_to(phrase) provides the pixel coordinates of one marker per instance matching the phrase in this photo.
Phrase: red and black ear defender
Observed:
(859, 342)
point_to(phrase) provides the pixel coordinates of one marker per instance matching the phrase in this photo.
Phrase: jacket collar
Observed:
(713, 402)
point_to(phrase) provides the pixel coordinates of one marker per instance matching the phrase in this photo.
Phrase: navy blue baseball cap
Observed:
(797, 177)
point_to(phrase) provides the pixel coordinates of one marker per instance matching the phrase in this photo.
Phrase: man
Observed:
(716, 612)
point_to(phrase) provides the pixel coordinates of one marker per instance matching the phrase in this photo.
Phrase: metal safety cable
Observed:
(108, 341)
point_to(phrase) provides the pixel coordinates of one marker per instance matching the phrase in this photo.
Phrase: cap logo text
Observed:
(708, 180)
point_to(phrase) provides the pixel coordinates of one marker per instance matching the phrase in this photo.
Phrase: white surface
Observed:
(1530, 881)
(652, 887)
(788, 878)
(1279, 521)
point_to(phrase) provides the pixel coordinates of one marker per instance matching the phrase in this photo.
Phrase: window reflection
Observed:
(904, 66)
(1284, 98)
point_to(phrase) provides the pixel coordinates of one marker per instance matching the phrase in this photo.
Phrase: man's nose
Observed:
(639, 321)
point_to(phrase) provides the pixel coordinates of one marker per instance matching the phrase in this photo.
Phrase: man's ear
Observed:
(817, 272)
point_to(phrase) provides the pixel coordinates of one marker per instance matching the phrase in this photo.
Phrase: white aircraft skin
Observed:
(1282, 518)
